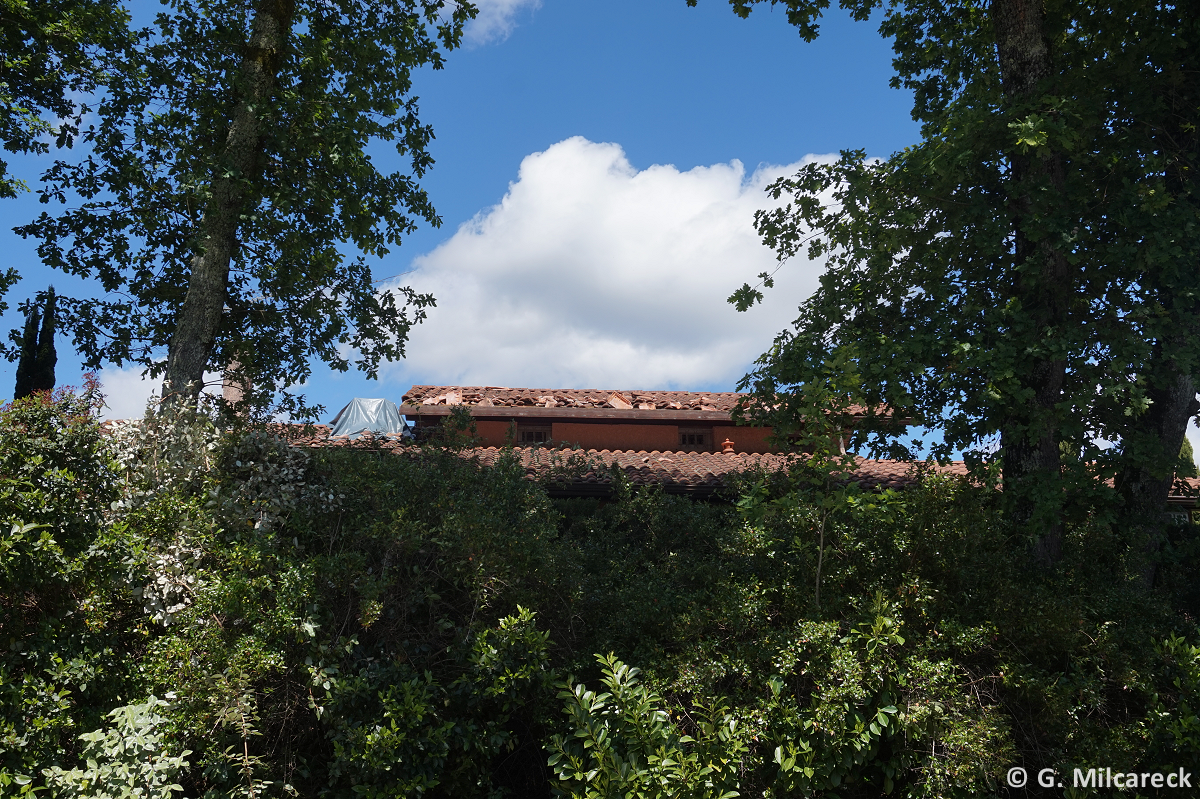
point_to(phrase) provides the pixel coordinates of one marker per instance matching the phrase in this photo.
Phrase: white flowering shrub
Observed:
(172, 573)
(183, 473)
(266, 481)
(172, 449)
(166, 460)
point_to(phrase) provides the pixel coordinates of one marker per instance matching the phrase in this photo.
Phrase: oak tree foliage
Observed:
(51, 52)
(230, 201)
(1026, 274)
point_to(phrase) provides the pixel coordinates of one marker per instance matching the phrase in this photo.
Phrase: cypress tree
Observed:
(1187, 461)
(43, 375)
(35, 368)
(27, 364)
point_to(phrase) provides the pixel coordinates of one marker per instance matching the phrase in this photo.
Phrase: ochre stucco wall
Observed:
(492, 433)
(662, 437)
(745, 439)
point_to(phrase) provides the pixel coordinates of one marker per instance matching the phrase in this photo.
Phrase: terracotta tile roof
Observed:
(702, 472)
(572, 398)
(590, 471)
(681, 471)
(484, 401)
(1185, 492)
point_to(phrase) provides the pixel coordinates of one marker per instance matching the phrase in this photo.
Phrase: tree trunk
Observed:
(1145, 485)
(1152, 440)
(233, 192)
(1032, 460)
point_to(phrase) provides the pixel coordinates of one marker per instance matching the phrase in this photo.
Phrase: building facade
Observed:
(591, 419)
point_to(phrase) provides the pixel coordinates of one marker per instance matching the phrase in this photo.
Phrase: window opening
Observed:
(531, 434)
(695, 439)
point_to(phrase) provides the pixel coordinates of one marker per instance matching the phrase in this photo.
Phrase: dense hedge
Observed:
(204, 613)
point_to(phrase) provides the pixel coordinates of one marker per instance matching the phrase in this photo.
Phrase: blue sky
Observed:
(598, 165)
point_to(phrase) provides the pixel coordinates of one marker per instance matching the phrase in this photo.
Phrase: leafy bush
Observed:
(624, 744)
(352, 621)
(123, 762)
(67, 621)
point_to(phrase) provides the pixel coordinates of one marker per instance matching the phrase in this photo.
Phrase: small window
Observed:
(533, 434)
(695, 439)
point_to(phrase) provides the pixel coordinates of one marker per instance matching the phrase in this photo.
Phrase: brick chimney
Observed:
(233, 386)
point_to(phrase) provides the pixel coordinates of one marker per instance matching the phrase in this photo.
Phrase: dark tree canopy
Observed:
(50, 51)
(229, 203)
(1027, 273)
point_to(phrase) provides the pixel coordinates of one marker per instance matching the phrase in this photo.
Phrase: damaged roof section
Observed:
(624, 400)
(426, 398)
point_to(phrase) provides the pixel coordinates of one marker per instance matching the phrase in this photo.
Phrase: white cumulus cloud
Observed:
(496, 19)
(126, 391)
(592, 273)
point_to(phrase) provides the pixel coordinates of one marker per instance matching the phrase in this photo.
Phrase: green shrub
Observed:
(351, 621)
(67, 619)
(123, 762)
(623, 743)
